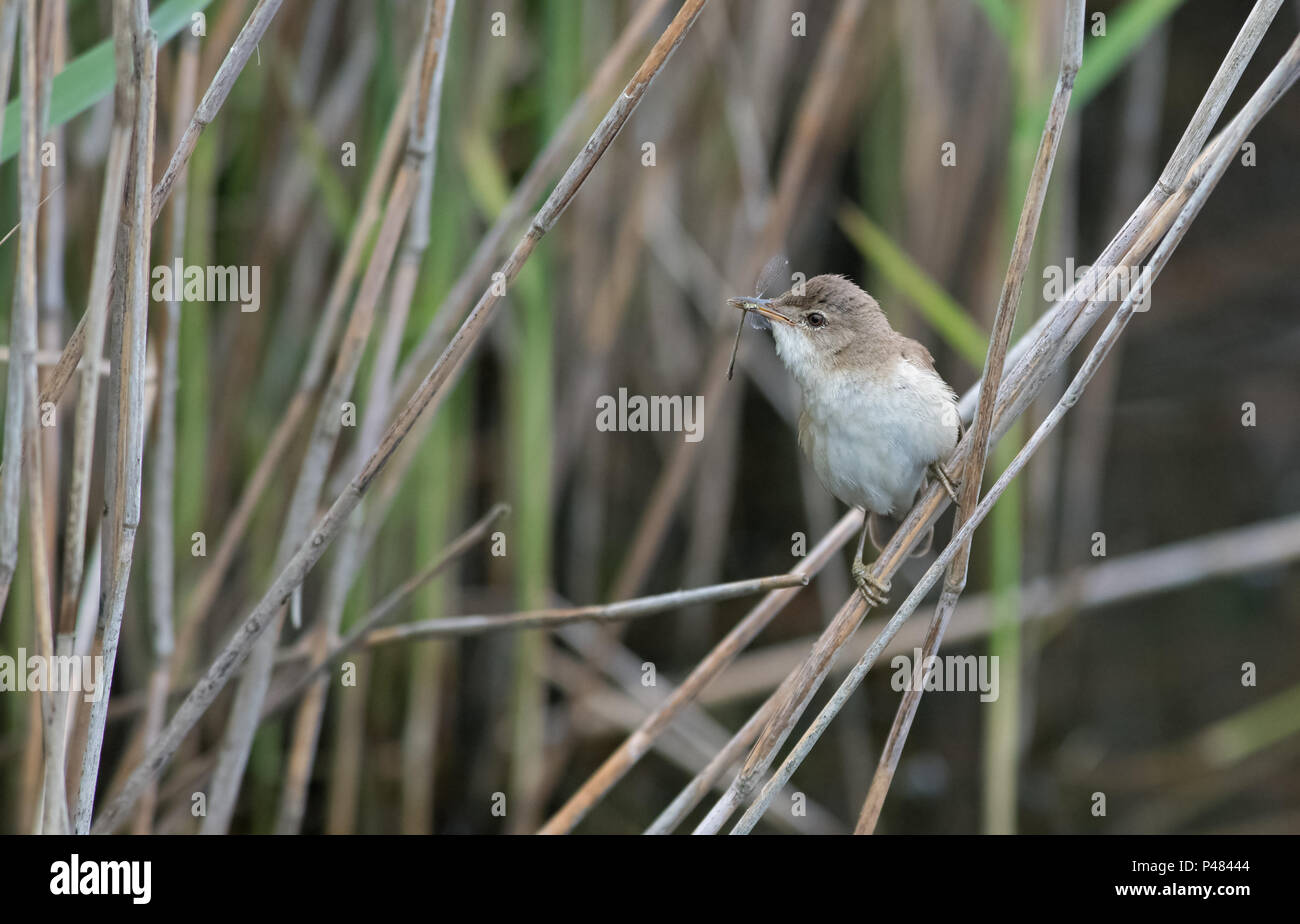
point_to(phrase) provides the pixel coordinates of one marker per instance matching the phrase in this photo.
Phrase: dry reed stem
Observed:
(1201, 180)
(430, 392)
(347, 561)
(1175, 566)
(637, 745)
(126, 413)
(101, 274)
(251, 693)
(528, 190)
(162, 475)
(10, 488)
(54, 812)
(1051, 338)
(205, 590)
(460, 626)
(215, 95)
(973, 471)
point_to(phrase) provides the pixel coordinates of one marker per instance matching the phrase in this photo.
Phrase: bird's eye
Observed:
(816, 319)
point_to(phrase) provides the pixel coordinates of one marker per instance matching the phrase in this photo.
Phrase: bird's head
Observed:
(825, 325)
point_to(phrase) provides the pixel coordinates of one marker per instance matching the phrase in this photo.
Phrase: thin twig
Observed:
(459, 626)
(54, 814)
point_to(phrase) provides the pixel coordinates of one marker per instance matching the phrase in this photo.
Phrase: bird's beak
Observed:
(761, 306)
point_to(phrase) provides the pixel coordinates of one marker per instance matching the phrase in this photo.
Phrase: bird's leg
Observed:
(942, 477)
(872, 590)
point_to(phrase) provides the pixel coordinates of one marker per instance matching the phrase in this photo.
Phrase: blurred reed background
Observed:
(1119, 674)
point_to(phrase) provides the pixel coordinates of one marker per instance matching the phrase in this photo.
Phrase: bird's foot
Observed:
(949, 484)
(872, 590)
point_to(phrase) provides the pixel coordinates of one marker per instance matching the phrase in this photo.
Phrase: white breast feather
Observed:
(871, 442)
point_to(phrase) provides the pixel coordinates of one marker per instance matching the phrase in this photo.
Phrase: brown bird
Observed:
(876, 415)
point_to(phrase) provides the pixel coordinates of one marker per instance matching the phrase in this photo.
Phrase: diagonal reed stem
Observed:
(973, 473)
(1201, 180)
(1046, 344)
(430, 393)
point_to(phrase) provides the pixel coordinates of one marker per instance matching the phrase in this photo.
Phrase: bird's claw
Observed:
(872, 590)
(944, 479)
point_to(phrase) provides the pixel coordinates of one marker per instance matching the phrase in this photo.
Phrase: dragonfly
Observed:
(773, 275)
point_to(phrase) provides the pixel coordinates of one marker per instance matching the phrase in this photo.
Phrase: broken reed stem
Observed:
(991, 380)
(162, 464)
(460, 626)
(1201, 180)
(350, 552)
(1044, 346)
(430, 392)
(638, 744)
(250, 695)
(125, 441)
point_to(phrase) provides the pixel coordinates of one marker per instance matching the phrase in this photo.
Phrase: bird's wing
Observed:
(807, 440)
(917, 354)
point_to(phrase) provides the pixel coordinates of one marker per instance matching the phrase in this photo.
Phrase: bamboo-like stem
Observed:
(306, 732)
(705, 781)
(83, 445)
(460, 626)
(10, 487)
(54, 813)
(973, 471)
(125, 441)
(162, 464)
(637, 745)
(1084, 450)
(430, 392)
(52, 299)
(251, 693)
(1201, 180)
(1046, 344)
